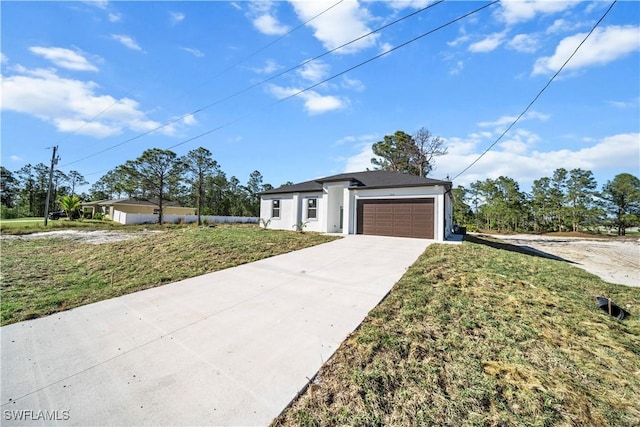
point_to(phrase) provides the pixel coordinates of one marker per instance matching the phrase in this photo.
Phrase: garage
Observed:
(396, 217)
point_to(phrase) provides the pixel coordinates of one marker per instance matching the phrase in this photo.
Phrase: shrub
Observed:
(11, 213)
(265, 222)
(301, 226)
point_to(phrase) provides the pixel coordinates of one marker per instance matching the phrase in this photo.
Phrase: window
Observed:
(312, 208)
(275, 209)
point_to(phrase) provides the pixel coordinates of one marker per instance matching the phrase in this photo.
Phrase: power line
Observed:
(345, 71)
(539, 93)
(389, 51)
(275, 76)
(91, 120)
(277, 40)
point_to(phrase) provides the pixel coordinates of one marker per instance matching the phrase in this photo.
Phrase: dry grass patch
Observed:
(30, 225)
(480, 335)
(44, 276)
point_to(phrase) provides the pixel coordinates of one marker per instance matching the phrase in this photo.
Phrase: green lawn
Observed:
(16, 220)
(482, 334)
(44, 276)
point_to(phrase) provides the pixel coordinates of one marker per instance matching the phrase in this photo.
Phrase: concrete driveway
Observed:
(228, 348)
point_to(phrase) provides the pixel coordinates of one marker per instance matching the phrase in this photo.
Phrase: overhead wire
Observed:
(253, 86)
(251, 55)
(343, 72)
(539, 93)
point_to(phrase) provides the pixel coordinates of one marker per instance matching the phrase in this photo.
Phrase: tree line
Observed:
(194, 180)
(569, 200)
(566, 201)
(24, 191)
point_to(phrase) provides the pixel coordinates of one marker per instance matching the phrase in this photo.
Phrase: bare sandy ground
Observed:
(92, 237)
(614, 261)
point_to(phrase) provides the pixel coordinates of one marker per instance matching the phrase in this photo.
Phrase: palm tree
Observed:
(70, 204)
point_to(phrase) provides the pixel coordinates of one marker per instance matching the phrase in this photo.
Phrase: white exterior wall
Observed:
(448, 214)
(337, 194)
(292, 211)
(319, 223)
(287, 204)
(293, 207)
(348, 209)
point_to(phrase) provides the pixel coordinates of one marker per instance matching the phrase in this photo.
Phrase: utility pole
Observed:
(54, 161)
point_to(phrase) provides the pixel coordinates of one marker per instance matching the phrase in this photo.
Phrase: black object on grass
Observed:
(610, 307)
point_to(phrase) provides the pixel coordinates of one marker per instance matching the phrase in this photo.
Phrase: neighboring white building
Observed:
(373, 202)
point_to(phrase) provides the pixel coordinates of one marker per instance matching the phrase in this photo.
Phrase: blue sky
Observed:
(93, 76)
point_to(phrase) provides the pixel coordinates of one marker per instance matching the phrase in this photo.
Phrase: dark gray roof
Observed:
(368, 179)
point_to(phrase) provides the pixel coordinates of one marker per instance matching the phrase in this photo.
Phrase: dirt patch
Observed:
(613, 260)
(96, 237)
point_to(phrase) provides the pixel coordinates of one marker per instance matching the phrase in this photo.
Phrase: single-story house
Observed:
(113, 209)
(373, 202)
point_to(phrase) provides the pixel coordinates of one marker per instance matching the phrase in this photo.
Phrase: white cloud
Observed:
(64, 58)
(189, 120)
(15, 158)
(114, 17)
(176, 17)
(516, 158)
(488, 44)
(462, 39)
(385, 47)
(314, 71)
(348, 138)
(625, 104)
(603, 46)
(71, 105)
(270, 66)
(507, 120)
(345, 22)
(514, 11)
(519, 162)
(564, 26)
(264, 19)
(413, 4)
(4, 59)
(526, 43)
(519, 142)
(269, 25)
(126, 41)
(317, 104)
(360, 161)
(314, 103)
(457, 69)
(195, 52)
(352, 84)
(236, 5)
(100, 4)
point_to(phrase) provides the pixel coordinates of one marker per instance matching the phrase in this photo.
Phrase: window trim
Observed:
(314, 208)
(274, 208)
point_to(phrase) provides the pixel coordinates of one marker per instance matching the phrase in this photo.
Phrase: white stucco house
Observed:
(373, 202)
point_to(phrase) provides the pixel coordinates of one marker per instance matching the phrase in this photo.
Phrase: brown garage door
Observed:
(396, 217)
